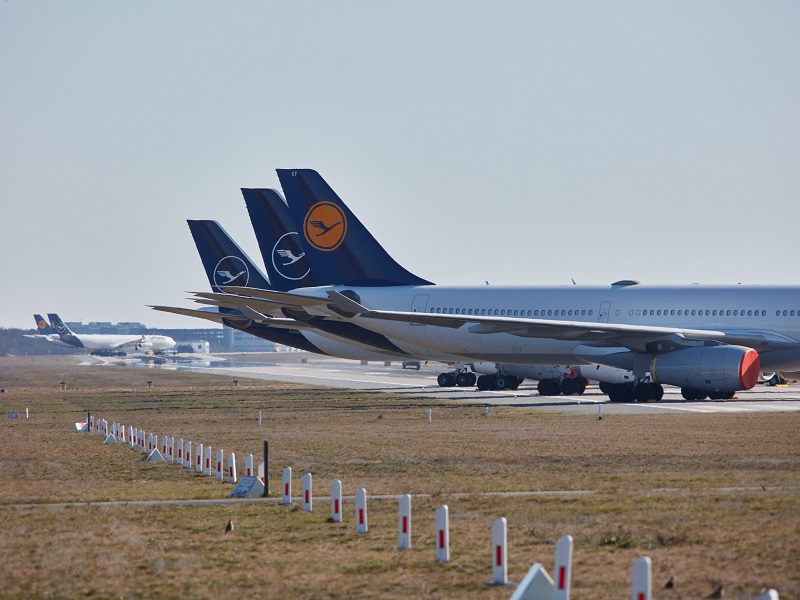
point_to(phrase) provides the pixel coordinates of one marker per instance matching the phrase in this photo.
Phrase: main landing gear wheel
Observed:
(466, 379)
(621, 392)
(721, 395)
(549, 387)
(691, 394)
(446, 380)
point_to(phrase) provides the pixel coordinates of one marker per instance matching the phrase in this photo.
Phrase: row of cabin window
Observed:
(708, 313)
(502, 312)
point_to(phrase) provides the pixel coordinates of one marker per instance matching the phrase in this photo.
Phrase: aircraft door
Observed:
(420, 304)
(604, 310)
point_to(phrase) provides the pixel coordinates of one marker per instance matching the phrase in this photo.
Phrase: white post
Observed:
(642, 588)
(259, 418)
(187, 455)
(131, 435)
(336, 501)
(231, 468)
(179, 457)
(500, 551)
(287, 486)
(171, 449)
(261, 472)
(308, 500)
(26, 412)
(248, 465)
(207, 461)
(599, 412)
(219, 465)
(198, 463)
(563, 568)
(430, 415)
(122, 433)
(361, 511)
(404, 522)
(164, 442)
(443, 533)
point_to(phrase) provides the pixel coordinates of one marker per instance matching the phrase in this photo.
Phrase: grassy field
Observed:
(711, 498)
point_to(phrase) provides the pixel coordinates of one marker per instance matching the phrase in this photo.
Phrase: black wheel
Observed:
(716, 395)
(729, 395)
(582, 383)
(446, 380)
(472, 378)
(500, 382)
(605, 387)
(643, 392)
(658, 391)
(485, 383)
(462, 380)
(621, 392)
(568, 387)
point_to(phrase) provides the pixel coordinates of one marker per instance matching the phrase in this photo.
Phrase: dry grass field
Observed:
(711, 498)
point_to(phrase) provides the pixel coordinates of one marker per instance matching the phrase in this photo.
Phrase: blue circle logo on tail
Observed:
(231, 270)
(288, 257)
(325, 226)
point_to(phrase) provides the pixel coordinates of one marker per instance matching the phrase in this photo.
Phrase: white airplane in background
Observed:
(708, 340)
(103, 341)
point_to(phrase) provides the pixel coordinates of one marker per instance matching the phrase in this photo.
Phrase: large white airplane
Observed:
(102, 341)
(708, 340)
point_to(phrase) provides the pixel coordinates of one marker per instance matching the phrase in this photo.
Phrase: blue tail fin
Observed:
(63, 331)
(279, 241)
(224, 261)
(338, 246)
(42, 326)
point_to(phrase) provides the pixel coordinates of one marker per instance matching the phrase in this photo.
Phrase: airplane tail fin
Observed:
(224, 261)
(279, 240)
(59, 325)
(42, 326)
(338, 247)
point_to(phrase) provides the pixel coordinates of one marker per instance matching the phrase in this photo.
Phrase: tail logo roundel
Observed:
(42, 324)
(325, 226)
(231, 270)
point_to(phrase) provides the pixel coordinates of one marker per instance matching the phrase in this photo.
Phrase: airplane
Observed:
(114, 342)
(219, 252)
(45, 331)
(710, 341)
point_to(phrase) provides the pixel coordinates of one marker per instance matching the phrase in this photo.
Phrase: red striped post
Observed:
(500, 552)
(361, 511)
(308, 500)
(287, 486)
(336, 501)
(404, 522)
(563, 568)
(642, 587)
(443, 534)
(231, 468)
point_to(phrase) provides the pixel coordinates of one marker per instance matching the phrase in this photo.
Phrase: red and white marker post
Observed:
(361, 511)
(207, 466)
(164, 441)
(171, 449)
(443, 534)
(179, 451)
(187, 455)
(198, 463)
(336, 501)
(131, 434)
(248, 465)
(231, 468)
(642, 584)
(562, 575)
(404, 523)
(500, 552)
(219, 470)
(308, 500)
(287, 486)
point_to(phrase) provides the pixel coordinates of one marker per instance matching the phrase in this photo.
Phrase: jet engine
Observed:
(144, 345)
(708, 368)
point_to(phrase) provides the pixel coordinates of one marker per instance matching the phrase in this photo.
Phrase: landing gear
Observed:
(446, 379)
(498, 381)
(721, 395)
(691, 394)
(621, 392)
(466, 379)
(567, 386)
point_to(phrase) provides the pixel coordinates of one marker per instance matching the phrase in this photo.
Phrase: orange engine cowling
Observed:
(708, 368)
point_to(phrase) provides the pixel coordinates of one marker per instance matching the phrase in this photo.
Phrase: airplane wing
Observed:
(285, 298)
(641, 338)
(236, 319)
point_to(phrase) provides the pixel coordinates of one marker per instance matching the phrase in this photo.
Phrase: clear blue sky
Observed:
(515, 142)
